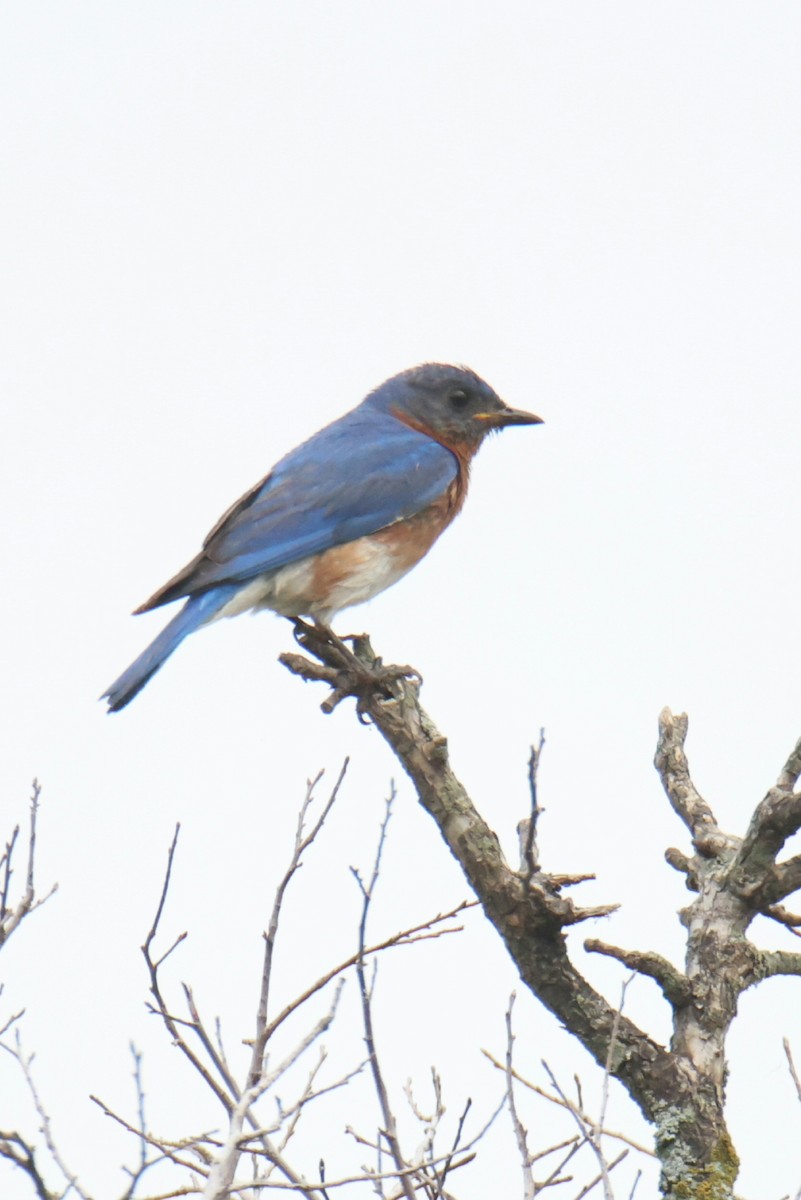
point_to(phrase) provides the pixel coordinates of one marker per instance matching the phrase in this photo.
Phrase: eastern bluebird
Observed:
(340, 518)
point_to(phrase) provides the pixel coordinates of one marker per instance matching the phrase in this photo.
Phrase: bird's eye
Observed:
(458, 398)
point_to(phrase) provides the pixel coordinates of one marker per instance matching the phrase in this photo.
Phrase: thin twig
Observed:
(443, 1174)
(5, 862)
(302, 842)
(25, 1062)
(521, 1134)
(144, 1162)
(530, 856)
(12, 917)
(591, 1134)
(407, 937)
(407, 1173)
(171, 1023)
(793, 1073)
(603, 1177)
(168, 1150)
(16, 1150)
(562, 1102)
(610, 1057)
(390, 1126)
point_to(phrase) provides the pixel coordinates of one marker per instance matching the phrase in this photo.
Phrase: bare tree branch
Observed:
(680, 1091)
(590, 1133)
(783, 880)
(12, 915)
(225, 1098)
(776, 818)
(527, 829)
(686, 800)
(390, 1125)
(238, 1103)
(25, 1062)
(603, 1177)
(521, 1134)
(684, 865)
(790, 772)
(171, 1150)
(265, 1142)
(16, 1150)
(780, 962)
(567, 1104)
(303, 840)
(529, 915)
(673, 983)
(425, 931)
(371, 1177)
(790, 1063)
(220, 1179)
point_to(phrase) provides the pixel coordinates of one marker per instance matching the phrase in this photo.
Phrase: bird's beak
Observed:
(508, 416)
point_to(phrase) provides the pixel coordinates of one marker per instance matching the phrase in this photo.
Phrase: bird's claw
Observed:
(301, 630)
(357, 672)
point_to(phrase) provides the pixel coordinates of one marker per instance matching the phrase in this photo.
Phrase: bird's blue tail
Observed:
(196, 612)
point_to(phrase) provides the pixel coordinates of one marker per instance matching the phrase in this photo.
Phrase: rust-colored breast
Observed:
(358, 570)
(409, 540)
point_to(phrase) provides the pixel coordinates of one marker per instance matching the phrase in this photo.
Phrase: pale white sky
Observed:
(220, 226)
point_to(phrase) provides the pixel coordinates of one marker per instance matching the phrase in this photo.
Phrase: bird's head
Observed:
(451, 404)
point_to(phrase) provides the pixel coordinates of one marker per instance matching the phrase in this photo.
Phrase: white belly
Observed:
(321, 586)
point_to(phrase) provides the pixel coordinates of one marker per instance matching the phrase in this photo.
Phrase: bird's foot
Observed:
(354, 672)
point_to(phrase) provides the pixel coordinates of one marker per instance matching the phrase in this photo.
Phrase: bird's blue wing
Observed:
(356, 476)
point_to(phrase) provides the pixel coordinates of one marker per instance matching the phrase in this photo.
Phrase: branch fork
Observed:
(678, 1088)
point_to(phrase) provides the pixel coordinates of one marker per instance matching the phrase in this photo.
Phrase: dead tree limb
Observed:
(679, 1088)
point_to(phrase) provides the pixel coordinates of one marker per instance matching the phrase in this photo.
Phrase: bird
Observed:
(341, 517)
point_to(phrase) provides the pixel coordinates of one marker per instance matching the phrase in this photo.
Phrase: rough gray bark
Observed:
(679, 1088)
